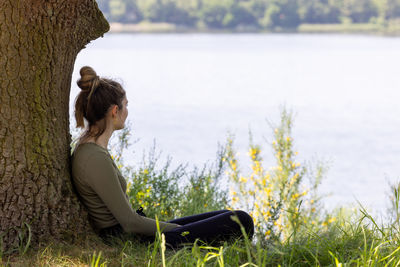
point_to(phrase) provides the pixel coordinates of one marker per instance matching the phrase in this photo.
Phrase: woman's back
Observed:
(89, 162)
(102, 189)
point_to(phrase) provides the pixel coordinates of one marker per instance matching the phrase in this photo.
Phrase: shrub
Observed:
(277, 198)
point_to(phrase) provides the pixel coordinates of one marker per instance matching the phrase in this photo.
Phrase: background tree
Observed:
(39, 42)
(213, 12)
(383, 10)
(282, 14)
(317, 11)
(169, 11)
(240, 14)
(124, 11)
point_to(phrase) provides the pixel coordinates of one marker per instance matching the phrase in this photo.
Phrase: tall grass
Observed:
(292, 229)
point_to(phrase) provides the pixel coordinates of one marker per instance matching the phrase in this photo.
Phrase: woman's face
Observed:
(122, 114)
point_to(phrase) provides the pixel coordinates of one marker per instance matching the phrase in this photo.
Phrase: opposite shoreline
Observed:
(392, 29)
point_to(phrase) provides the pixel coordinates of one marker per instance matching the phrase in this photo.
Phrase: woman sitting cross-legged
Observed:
(102, 103)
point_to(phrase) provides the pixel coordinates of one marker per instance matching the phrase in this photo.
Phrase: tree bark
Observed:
(39, 42)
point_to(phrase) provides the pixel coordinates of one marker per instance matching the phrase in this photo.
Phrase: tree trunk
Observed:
(39, 42)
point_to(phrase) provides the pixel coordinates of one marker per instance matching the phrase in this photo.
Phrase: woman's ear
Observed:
(114, 110)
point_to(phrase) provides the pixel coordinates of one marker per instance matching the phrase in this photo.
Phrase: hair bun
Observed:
(88, 78)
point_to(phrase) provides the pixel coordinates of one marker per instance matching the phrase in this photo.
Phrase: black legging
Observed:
(209, 227)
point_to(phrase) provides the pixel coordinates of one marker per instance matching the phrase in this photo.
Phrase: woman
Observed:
(101, 187)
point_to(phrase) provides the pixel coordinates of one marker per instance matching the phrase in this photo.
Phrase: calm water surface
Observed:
(187, 91)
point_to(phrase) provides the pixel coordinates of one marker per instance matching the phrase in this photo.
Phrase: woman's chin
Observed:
(119, 127)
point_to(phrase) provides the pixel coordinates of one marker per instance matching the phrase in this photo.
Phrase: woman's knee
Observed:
(243, 216)
(246, 220)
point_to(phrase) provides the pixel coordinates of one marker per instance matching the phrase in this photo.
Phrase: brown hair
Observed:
(96, 97)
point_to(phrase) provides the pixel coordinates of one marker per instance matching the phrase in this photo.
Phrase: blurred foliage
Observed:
(253, 14)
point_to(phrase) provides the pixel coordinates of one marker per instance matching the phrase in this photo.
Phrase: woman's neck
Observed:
(102, 140)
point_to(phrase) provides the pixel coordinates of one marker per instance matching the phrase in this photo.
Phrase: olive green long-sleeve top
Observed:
(102, 189)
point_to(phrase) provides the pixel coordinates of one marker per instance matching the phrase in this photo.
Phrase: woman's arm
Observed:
(103, 179)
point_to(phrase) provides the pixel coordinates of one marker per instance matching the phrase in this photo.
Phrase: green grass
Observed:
(359, 242)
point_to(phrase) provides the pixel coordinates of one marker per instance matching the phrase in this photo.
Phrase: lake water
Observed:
(186, 91)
